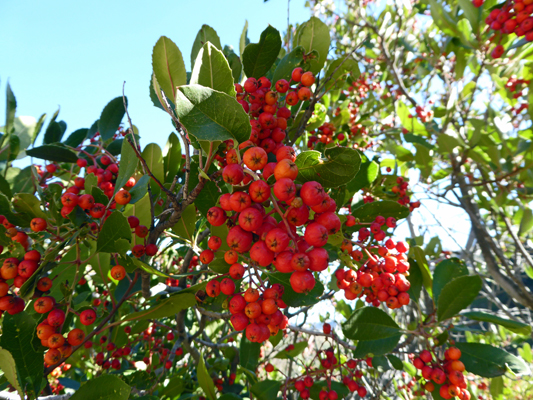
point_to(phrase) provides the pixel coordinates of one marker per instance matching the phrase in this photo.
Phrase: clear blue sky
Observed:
(77, 55)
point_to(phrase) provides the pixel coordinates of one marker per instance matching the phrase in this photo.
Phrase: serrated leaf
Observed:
(168, 66)
(111, 118)
(257, 58)
(339, 167)
(204, 35)
(210, 115)
(105, 387)
(445, 271)
(266, 390)
(211, 69)
(370, 323)
(128, 164)
(115, 227)
(457, 295)
(204, 379)
(53, 152)
(164, 308)
(17, 336)
(489, 361)
(513, 326)
(314, 35)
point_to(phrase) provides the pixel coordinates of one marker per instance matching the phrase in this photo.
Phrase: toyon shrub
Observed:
(269, 250)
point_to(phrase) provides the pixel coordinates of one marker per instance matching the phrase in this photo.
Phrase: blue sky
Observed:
(76, 55)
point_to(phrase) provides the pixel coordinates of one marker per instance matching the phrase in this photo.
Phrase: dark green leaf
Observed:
(168, 66)
(421, 260)
(205, 380)
(288, 63)
(395, 362)
(186, 225)
(77, 137)
(243, 42)
(370, 323)
(128, 164)
(369, 211)
(266, 390)
(249, 354)
(211, 69)
(513, 326)
(257, 58)
(140, 189)
(489, 361)
(208, 196)
(205, 34)
(53, 133)
(457, 295)
(172, 157)
(53, 152)
(111, 117)
(339, 167)
(376, 347)
(28, 204)
(210, 115)
(339, 71)
(415, 279)
(17, 335)
(105, 387)
(4, 187)
(164, 308)
(14, 218)
(293, 299)
(114, 233)
(153, 156)
(445, 271)
(367, 174)
(236, 66)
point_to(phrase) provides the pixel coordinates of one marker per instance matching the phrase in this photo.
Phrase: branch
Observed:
(318, 333)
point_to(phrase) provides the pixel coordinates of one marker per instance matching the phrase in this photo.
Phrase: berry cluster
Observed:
(447, 372)
(381, 277)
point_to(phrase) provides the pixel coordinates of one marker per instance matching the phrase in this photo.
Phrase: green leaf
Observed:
(164, 308)
(526, 222)
(153, 156)
(420, 257)
(141, 209)
(205, 380)
(28, 204)
(53, 152)
(9, 368)
(293, 299)
(111, 117)
(90, 181)
(17, 336)
(339, 70)
(513, 326)
(339, 167)
(489, 361)
(186, 225)
(314, 35)
(445, 271)
(205, 34)
(442, 19)
(4, 187)
(457, 295)
(496, 387)
(53, 133)
(249, 354)
(377, 347)
(208, 196)
(77, 137)
(236, 67)
(128, 164)
(411, 124)
(172, 157)
(369, 211)
(243, 41)
(288, 63)
(370, 323)
(257, 58)
(140, 189)
(367, 174)
(168, 66)
(396, 362)
(11, 107)
(266, 390)
(115, 230)
(211, 69)
(415, 279)
(105, 387)
(16, 219)
(471, 12)
(298, 349)
(210, 115)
